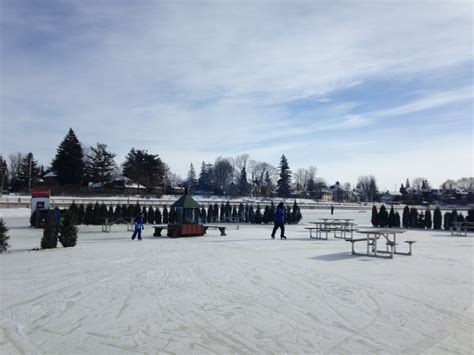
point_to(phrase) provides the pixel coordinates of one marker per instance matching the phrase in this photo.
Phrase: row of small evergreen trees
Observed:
(411, 218)
(95, 214)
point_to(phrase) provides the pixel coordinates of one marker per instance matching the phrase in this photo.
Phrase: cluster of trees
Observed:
(95, 214)
(411, 218)
(62, 229)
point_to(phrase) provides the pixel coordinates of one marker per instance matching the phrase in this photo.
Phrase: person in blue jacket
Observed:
(138, 227)
(279, 221)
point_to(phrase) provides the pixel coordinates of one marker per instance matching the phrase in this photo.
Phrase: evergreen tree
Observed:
(288, 215)
(246, 214)
(74, 210)
(28, 173)
(151, 215)
(375, 216)
(215, 216)
(191, 180)
(461, 218)
(96, 214)
(268, 185)
(391, 218)
(145, 169)
(222, 213)
(3, 236)
(172, 215)
(243, 183)
(428, 221)
(145, 215)
(251, 215)
(110, 212)
(203, 216)
(103, 212)
(470, 215)
(414, 218)
(397, 220)
(89, 215)
(100, 164)
(81, 214)
(118, 211)
(228, 211)
(447, 220)
(69, 161)
(406, 218)
(235, 215)
(258, 215)
(50, 234)
(454, 216)
(165, 215)
(210, 214)
(283, 184)
(383, 216)
(437, 219)
(68, 231)
(158, 216)
(267, 218)
(241, 212)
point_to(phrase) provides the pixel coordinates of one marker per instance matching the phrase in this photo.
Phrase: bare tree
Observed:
(367, 186)
(257, 171)
(15, 160)
(223, 173)
(420, 183)
(303, 176)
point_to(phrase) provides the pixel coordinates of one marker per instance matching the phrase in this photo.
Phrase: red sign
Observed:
(39, 193)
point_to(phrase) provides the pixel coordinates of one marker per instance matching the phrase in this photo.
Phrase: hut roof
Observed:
(186, 201)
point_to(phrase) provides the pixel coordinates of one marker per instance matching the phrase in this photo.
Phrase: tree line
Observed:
(412, 218)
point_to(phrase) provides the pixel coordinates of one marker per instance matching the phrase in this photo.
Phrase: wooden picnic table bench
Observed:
(373, 235)
(108, 222)
(221, 229)
(461, 228)
(158, 230)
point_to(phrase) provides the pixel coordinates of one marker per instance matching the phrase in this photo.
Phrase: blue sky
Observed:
(353, 87)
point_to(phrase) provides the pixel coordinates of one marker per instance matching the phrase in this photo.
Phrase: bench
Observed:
(353, 241)
(158, 230)
(221, 229)
(106, 226)
(461, 228)
(410, 242)
(318, 232)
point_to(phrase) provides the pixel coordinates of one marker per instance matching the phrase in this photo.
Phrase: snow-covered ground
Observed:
(243, 293)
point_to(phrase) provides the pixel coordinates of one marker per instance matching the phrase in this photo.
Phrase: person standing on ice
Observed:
(279, 221)
(138, 227)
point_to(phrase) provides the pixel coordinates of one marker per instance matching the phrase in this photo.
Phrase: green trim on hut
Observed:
(186, 202)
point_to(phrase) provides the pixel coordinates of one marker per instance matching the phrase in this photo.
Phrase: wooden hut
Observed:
(186, 218)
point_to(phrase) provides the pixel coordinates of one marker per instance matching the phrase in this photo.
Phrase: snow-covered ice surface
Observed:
(243, 293)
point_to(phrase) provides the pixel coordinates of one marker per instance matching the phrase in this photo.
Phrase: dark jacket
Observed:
(138, 222)
(280, 215)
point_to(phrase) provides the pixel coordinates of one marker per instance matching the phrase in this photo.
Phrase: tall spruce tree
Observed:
(69, 161)
(406, 220)
(383, 216)
(143, 168)
(191, 180)
(283, 184)
(3, 236)
(50, 234)
(428, 221)
(391, 218)
(243, 183)
(28, 173)
(100, 163)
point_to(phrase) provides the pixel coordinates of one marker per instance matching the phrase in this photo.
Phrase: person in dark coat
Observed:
(138, 227)
(279, 221)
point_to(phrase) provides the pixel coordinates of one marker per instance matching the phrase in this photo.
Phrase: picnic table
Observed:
(108, 222)
(372, 237)
(461, 228)
(339, 228)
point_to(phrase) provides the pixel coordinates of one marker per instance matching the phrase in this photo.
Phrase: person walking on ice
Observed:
(279, 221)
(138, 227)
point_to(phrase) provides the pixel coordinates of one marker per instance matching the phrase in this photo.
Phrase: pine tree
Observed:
(145, 215)
(69, 161)
(74, 210)
(215, 215)
(258, 215)
(96, 214)
(110, 212)
(397, 220)
(414, 217)
(246, 214)
(89, 215)
(222, 212)
(118, 211)
(3, 236)
(383, 216)
(241, 212)
(447, 220)
(191, 180)
(251, 215)
(406, 218)
(283, 184)
(391, 218)
(28, 173)
(68, 231)
(203, 215)
(158, 216)
(228, 211)
(165, 215)
(100, 163)
(470, 215)
(210, 214)
(437, 219)
(267, 218)
(50, 234)
(288, 215)
(81, 214)
(428, 221)
(234, 214)
(145, 169)
(375, 216)
(151, 215)
(243, 183)
(172, 215)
